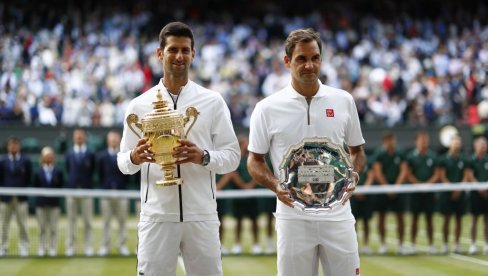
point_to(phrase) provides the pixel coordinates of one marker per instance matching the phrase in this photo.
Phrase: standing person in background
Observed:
(245, 207)
(80, 166)
(182, 218)
(422, 168)
(307, 108)
(15, 171)
(112, 179)
(362, 205)
(453, 168)
(390, 168)
(479, 199)
(223, 206)
(48, 208)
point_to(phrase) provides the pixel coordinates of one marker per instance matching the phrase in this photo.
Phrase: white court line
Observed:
(452, 255)
(468, 259)
(182, 264)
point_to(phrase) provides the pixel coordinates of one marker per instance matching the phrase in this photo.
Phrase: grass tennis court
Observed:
(391, 264)
(244, 265)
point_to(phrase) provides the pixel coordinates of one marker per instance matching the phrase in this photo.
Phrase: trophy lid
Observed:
(161, 110)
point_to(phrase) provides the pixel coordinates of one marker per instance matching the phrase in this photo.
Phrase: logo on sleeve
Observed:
(329, 112)
(357, 271)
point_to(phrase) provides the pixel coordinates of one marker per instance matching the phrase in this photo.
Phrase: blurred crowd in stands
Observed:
(79, 63)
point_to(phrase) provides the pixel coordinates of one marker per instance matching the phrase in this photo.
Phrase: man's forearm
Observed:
(260, 171)
(358, 158)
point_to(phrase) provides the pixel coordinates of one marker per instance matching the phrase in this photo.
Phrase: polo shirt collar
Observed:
(290, 92)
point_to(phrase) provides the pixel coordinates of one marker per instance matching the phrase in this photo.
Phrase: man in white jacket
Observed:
(183, 218)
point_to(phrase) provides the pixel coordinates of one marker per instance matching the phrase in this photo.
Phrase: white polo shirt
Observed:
(285, 118)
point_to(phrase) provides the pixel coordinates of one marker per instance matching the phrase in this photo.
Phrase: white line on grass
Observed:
(468, 259)
(452, 255)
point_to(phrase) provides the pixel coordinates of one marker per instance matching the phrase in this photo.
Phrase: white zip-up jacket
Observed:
(194, 200)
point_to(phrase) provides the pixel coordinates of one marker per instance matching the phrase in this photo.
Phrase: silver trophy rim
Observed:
(283, 167)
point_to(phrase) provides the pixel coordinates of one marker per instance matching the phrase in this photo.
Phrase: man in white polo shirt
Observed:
(307, 108)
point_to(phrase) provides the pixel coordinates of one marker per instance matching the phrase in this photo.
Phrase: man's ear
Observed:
(287, 61)
(159, 53)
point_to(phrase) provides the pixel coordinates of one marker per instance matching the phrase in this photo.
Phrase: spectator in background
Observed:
(245, 207)
(479, 199)
(362, 205)
(390, 169)
(453, 168)
(277, 79)
(422, 168)
(111, 178)
(446, 57)
(15, 171)
(48, 208)
(80, 166)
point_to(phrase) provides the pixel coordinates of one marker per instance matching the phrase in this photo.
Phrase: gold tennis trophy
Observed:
(163, 128)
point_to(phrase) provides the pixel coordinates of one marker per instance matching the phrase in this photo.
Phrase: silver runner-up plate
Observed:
(317, 173)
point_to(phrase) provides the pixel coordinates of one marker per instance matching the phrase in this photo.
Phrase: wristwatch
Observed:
(205, 158)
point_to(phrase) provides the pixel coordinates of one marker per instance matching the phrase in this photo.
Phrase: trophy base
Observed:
(168, 182)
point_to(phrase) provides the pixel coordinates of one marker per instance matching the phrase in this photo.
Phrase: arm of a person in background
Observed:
(251, 184)
(260, 172)
(368, 182)
(224, 180)
(472, 178)
(436, 175)
(237, 179)
(442, 175)
(410, 176)
(402, 176)
(378, 172)
(466, 176)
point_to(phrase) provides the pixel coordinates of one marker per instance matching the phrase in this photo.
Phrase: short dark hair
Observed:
(388, 135)
(13, 139)
(301, 35)
(175, 29)
(421, 133)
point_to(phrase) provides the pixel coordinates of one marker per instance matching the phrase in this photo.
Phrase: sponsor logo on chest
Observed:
(329, 112)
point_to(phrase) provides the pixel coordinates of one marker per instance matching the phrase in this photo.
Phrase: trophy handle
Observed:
(134, 119)
(349, 176)
(190, 112)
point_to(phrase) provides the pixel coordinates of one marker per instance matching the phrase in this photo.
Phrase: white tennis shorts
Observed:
(302, 243)
(161, 242)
